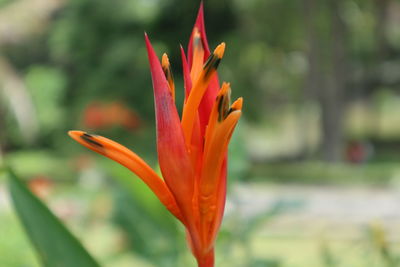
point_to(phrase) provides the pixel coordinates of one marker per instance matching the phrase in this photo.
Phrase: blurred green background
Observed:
(314, 170)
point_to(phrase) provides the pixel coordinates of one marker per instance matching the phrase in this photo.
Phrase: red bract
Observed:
(192, 150)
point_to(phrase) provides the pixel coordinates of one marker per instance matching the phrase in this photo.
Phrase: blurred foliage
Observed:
(92, 51)
(152, 232)
(17, 251)
(47, 87)
(320, 173)
(55, 245)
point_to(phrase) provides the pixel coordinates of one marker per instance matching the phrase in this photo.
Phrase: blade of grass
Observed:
(55, 245)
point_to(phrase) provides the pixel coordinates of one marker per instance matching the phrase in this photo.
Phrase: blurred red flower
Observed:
(100, 116)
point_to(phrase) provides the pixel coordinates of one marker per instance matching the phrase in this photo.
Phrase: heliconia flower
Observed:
(192, 151)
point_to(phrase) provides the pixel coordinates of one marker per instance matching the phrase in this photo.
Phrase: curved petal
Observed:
(220, 203)
(133, 162)
(173, 156)
(213, 87)
(198, 55)
(200, 25)
(214, 153)
(198, 90)
(212, 186)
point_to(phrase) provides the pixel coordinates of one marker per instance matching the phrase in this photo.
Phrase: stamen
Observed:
(168, 74)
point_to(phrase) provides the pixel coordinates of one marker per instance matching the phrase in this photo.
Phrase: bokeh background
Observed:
(314, 171)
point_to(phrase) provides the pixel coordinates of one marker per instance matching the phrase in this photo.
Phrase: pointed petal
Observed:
(214, 153)
(200, 25)
(196, 146)
(190, 109)
(173, 157)
(198, 55)
(213, 87)
(212, 186)
(133, 162)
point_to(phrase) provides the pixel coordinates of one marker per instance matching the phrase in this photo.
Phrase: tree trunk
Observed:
(313, 82)
(381, 13)
(332, 94)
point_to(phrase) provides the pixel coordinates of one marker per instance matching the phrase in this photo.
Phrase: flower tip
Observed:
(225, 84)
(150, 51)
(146, 37)
(147, 40)
(225, 88)
(237, 105)
(78, 135)
(75, 134)
(165, 60)
(219, 51)
(88, 140)
(200, 13)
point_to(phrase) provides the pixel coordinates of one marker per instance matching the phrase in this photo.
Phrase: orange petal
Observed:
(133, 162)
(214, 152)
(200, 26)
(212, 90)
(198, 55)
(186, 74)
(223, 120)
(220, 204)
(196, 94)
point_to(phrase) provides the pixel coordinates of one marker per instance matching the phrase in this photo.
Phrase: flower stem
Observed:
(207, 260)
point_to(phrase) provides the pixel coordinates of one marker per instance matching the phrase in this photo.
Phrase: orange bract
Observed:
(191, 152)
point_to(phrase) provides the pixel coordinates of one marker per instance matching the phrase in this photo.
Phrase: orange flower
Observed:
(192, 151)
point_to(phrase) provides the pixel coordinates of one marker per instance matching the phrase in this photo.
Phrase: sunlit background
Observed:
(314, 166)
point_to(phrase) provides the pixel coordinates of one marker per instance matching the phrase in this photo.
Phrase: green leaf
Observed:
(55, 245)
